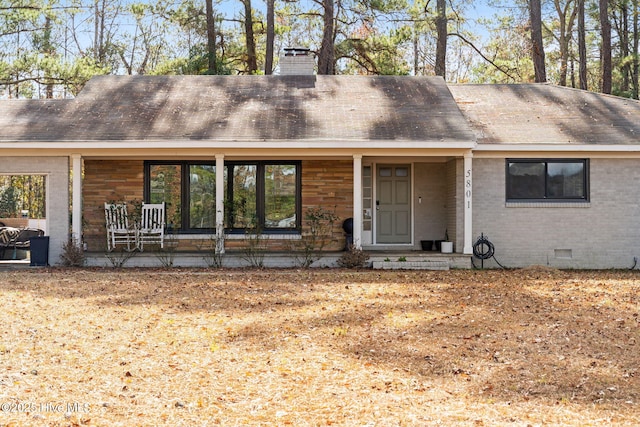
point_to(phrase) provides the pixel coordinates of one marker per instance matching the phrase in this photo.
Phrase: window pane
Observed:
(280, 196)
(402, 172)
(202, 196)
(165, 186)
(525, 180)
(242, 210)
(22, 196)
(565, 180)
(385, 172)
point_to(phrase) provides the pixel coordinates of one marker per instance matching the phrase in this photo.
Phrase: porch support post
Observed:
(220, 203)
(76, 200)
(357, 201)
(468, 203)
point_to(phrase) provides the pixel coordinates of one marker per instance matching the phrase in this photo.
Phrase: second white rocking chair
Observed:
(152, 223)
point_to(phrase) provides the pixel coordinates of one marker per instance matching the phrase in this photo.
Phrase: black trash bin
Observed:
(347, 226)
(39, 247)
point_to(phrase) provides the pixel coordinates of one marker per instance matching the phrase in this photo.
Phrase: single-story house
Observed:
(548, 174)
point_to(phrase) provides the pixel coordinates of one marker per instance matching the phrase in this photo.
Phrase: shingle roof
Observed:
(322, 108)
(543, 113)
(243, 108)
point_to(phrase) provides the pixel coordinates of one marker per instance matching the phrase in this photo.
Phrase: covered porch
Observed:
(395, 202)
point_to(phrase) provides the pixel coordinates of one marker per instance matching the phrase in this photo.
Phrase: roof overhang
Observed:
(265, 149)
(550, 149)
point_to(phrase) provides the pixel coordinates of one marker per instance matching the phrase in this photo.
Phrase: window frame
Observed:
(260, 195)
(228, 193)
(36, 199)
(546, 198)
(185, 193)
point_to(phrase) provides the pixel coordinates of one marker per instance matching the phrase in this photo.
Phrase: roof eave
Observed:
(541, 149)
(188, 144)
(150, 149)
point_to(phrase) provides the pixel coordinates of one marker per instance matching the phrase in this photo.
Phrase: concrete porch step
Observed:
(411, 265)
(419, 260)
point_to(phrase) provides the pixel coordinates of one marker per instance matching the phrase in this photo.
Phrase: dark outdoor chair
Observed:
(15, 238)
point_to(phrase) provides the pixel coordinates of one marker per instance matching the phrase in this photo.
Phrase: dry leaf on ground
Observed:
(319, 347)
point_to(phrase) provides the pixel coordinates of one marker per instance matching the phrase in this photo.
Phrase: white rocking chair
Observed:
(152, 223)
(118, 230)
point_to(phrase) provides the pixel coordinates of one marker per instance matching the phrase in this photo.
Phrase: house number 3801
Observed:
(467, 185)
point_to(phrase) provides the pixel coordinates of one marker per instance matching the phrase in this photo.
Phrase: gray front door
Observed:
(393, 204)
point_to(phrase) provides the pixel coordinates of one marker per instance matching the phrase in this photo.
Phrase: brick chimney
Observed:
(297, 61)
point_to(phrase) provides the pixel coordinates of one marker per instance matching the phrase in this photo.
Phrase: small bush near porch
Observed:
(317, 348)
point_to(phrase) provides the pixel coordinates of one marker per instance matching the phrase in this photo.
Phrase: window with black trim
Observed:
(258, 195)
(263, 195)
(547, 180)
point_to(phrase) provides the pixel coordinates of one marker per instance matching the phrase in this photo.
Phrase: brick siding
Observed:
(58, 213)
(603, 233)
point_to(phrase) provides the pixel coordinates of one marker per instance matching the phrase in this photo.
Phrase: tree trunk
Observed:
(605, 50)
(582, 46)
(47, 50)
(636, 53)
(100, 27)
(268, 61)
(252, 62)
(211, 39)
(326, 56)
(96, 29)
(441, 44)
(566, 18)
(621, 25)
(537, 46)
(416, 50)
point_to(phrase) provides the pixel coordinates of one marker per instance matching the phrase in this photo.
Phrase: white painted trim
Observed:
(357, 201)
(412, 203)
(76, 220)
(183, 145)
(264, 236)
(239, 236)
(551, 147)
(467, 188)
(548, 205)
(374, 204)
(220, 203)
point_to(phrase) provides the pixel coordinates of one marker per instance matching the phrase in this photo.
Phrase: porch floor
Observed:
(14, 264)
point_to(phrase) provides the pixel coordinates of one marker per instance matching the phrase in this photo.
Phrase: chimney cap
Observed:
(296, 51)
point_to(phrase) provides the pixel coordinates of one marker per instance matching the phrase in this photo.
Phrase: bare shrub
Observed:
(72, 253)
(353, 258)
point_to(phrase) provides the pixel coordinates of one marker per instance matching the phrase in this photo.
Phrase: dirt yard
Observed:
(319, 348)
